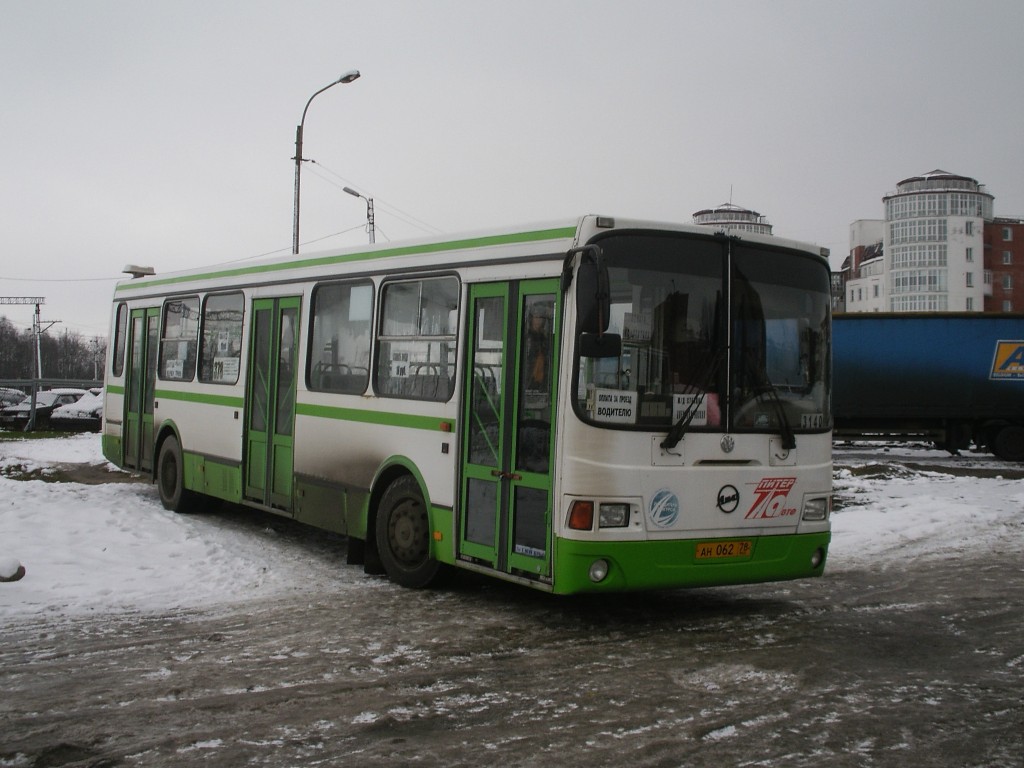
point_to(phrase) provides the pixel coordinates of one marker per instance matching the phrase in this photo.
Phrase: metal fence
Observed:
(25, 385)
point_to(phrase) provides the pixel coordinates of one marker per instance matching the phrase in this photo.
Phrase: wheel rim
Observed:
(408, 533)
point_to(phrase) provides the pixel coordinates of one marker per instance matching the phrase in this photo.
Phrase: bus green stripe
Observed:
(200, 397)
(430, 423)
(115, 389)
(454, 245)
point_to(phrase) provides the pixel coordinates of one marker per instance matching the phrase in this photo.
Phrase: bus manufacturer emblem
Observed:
(727, 443)
(664, 509)
(728, 499)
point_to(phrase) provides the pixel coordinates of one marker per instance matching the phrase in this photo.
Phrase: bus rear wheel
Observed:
(170, 478)
(403, 535)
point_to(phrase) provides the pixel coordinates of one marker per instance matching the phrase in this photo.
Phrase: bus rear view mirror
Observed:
(593, 305)
(600, 345)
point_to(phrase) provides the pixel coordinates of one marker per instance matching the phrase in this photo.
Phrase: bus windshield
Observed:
(717, 335)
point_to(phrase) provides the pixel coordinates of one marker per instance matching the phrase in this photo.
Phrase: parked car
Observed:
(16, 416)
(10, 396)
(86, 414)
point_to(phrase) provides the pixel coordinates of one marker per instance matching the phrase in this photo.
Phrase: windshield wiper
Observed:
(678, 430)
(785, 428)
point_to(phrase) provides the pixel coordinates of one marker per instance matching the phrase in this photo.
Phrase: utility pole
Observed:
(36, 324)
(345, 79)
(95, 344)
(369, 211)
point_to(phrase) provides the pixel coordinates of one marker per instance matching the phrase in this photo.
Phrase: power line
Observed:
(398, 213)
(395, 211)
(335, 234)
(288, 249)
(61, 279)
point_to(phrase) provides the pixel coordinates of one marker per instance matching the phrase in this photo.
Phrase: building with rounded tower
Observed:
(732, 217)
(934, 244)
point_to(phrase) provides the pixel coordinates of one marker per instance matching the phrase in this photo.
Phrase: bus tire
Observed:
(170, 478)
(403, 535)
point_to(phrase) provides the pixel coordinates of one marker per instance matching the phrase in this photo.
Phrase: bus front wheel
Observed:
(403, 535)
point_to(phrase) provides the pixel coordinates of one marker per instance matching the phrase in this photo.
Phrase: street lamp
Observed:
(345, 79)
(369, 210)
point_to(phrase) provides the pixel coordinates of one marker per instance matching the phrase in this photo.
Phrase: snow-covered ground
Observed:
(112, 547)
(901, 502)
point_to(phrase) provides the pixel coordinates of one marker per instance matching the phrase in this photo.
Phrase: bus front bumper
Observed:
(629, 565)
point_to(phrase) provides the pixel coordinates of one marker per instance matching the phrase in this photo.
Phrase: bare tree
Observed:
(65, 355)
(10, 344)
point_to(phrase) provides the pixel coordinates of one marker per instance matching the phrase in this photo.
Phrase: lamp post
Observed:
(369, 211)
(345, 79)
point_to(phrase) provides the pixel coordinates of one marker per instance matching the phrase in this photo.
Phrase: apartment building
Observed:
(938, 249)
(1004, 261)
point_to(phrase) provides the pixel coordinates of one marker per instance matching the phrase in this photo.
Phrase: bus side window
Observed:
(180, 342)
(222, 338)
(120, 339)
(416, 353)
(339, 353)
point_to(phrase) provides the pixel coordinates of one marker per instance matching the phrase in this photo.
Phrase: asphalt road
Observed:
(904, 664)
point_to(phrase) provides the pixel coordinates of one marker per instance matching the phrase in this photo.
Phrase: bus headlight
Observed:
(817, 508)
(613, 515)
(598, 570)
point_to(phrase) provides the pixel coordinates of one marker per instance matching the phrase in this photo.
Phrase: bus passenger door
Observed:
(143, 345)
(270, 413)
(508, 435)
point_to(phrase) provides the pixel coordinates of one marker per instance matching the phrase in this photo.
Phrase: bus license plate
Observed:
(723, 550)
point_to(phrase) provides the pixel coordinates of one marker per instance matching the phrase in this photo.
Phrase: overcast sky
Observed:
(162, 133)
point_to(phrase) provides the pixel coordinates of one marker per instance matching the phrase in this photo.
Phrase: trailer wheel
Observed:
(403, 535)
(985, 436)
(1008, 443)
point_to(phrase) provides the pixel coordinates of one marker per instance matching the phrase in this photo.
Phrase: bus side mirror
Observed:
(593, 294)
(600, 345)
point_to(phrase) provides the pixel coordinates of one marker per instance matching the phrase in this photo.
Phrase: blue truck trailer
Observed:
(951, 378)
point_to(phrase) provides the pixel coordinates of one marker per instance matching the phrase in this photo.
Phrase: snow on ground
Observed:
(81, 448)
(924, 514)
(891, 511)
(112, 546)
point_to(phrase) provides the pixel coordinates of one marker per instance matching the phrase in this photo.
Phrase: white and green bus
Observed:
(600, 405)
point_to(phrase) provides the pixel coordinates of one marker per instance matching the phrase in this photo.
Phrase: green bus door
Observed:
(143, 342)
(270, 414)
(508, 435)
